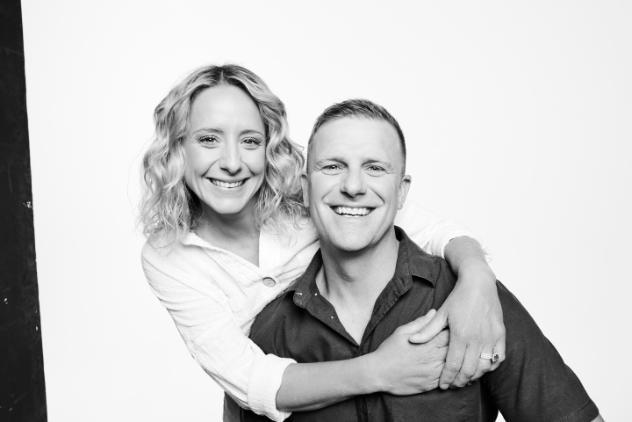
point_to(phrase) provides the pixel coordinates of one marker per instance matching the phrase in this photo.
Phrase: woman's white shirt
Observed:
(214, 295)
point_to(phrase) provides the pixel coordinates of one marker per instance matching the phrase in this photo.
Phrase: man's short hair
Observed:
(358, 108)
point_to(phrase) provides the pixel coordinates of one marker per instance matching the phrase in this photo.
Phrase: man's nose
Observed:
(230, 161)
(353, 183)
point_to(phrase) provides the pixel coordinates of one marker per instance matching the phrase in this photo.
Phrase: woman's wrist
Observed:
(309, 386)
(370, 377)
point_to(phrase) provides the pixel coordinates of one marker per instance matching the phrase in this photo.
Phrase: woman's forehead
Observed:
(224, 106)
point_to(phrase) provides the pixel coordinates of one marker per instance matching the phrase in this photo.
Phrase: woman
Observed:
(227, 233)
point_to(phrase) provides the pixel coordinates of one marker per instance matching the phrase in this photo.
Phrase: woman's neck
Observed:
(237, 233)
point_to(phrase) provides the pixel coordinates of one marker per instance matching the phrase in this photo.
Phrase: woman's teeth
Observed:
(353, 211)
(227, 185)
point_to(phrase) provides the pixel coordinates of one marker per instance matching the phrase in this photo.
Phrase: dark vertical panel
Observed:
(22, 396)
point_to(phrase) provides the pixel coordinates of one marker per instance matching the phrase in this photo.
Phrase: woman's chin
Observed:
(231, 207)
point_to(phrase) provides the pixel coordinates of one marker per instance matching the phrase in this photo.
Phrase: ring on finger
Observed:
(493, 357)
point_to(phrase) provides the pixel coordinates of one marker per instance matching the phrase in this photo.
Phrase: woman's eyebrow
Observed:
(221, 132)
(248, 131)
(207, 130)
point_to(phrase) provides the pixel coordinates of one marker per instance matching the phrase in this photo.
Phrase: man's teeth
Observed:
(227, 185)
(354, 211)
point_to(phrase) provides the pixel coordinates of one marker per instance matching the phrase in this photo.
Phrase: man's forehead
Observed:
(352, 135)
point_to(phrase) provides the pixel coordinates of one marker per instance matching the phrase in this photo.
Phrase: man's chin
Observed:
(349, 244)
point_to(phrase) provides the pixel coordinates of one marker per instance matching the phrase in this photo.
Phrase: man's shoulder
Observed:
(531, 361)
(283, 303)
(273, 314)
(423, 265)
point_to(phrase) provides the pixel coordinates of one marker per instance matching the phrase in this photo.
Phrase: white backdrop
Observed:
(518, 119)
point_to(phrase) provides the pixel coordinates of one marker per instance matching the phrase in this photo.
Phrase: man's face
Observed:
(355, 182)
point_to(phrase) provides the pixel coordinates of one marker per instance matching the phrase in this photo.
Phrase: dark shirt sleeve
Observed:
(534, 383)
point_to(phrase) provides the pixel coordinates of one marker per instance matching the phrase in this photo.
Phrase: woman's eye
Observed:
(252, 142)
(208, 140)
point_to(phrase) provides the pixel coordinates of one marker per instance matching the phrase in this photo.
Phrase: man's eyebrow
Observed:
(328, 160)
(386, 164)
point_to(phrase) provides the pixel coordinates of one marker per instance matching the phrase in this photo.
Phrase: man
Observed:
(369, 278)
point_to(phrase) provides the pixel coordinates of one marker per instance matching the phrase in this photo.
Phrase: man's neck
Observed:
(352, 282)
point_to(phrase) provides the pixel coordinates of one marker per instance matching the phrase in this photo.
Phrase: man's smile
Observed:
(352, 211)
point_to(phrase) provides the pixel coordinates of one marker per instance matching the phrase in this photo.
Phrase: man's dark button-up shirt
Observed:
(532, 384)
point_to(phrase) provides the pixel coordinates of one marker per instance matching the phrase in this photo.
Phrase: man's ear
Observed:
(305, 187)
(404, 186)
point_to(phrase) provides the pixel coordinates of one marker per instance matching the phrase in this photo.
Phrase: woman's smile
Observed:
(224, 184)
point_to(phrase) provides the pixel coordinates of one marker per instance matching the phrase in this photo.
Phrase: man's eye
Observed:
(375, 169)
(331, 168)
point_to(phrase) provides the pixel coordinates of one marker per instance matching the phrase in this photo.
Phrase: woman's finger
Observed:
(469, 366)
(484, 362)
(499, 351)
(456, 353)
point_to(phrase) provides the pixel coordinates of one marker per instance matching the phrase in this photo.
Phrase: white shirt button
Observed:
(268, 282)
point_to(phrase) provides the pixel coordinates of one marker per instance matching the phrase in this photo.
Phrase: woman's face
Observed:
(225, 151)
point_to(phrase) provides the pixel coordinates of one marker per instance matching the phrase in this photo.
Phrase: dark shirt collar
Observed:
(412, 263)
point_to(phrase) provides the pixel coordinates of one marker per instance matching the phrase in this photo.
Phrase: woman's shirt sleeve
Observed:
(214, 338)
(428, 231)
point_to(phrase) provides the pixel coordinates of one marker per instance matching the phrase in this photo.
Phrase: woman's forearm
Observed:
(396, 367)
(473, 313)
(328, 383)
(466, 254)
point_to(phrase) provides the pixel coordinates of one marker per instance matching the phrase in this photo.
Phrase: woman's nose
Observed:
(230, 161)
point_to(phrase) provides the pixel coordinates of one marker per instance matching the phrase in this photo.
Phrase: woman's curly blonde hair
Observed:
(168, 206)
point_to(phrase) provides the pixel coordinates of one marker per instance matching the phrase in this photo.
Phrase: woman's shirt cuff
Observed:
(264, 385)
